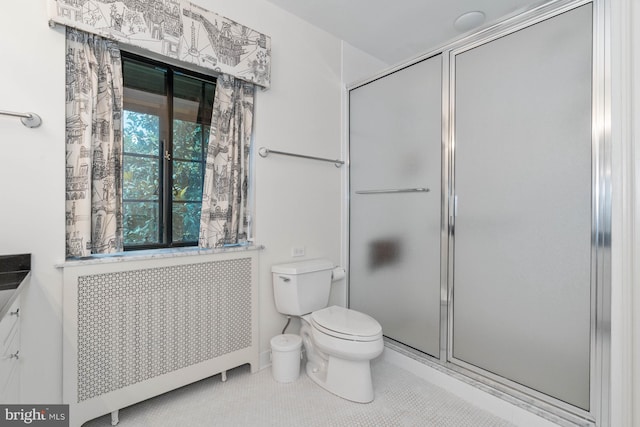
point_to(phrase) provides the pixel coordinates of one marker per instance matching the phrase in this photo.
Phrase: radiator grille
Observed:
(136, 325)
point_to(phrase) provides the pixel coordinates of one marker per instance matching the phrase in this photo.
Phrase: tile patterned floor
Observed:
(402, 399)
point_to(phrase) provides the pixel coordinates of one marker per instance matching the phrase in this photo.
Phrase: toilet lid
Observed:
(347, 324)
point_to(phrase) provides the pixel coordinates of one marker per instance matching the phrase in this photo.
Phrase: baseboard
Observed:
(265, 359)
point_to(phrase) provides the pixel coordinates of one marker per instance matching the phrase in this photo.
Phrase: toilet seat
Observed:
(343, 323)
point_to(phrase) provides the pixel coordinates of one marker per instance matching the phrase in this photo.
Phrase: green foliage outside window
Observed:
(141, 178)
(188, 173)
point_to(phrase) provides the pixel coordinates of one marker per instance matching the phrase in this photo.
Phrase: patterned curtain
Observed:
(93, 145)
(224, 197)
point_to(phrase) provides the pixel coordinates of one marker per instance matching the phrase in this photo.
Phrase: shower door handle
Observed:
(453, 213)
(397, 190)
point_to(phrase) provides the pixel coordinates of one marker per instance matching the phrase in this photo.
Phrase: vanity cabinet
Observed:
(10, 354)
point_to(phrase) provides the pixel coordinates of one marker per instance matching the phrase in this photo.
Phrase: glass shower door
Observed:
(523, 179)
(395, 219)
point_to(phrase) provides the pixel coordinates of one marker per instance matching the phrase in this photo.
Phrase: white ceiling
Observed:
(396, 30)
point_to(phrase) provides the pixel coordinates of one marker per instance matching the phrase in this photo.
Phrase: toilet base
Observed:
(349, 379)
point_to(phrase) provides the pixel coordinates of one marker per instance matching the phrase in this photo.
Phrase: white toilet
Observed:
(339, 342)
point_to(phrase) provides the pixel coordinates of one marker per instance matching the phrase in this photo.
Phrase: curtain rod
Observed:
(30, 120)
(264, 152)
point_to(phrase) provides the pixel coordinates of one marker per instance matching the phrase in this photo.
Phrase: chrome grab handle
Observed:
(399, 190)
(30, 120)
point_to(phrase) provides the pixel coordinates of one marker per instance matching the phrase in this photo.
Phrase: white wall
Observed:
(358, 65)
(298, 202)
(625, 131)
(32, 180)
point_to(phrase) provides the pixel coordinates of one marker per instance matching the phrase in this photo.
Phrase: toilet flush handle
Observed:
(285, 279)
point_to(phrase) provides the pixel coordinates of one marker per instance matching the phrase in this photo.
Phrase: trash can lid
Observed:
(286, 342)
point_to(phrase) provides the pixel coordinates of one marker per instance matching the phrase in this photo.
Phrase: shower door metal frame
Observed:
(600, 328)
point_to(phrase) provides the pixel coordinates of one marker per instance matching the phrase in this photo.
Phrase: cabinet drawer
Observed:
(10, 385)
(8, 361)
(9, 323)
(9, 345)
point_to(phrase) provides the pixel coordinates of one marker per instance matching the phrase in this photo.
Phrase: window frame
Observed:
(166, 146)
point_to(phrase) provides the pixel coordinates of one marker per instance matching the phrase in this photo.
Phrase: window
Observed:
(166, 122)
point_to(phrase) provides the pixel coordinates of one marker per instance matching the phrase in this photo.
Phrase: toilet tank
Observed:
(302, 287)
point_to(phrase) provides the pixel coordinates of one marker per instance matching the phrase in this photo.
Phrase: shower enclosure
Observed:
(479, 208)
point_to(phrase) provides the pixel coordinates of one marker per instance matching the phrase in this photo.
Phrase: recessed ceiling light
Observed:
(468, 21)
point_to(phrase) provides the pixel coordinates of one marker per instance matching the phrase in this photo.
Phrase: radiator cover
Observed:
(138, 329)
(139, 324)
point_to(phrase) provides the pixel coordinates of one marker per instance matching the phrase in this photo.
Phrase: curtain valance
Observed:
(174, 28)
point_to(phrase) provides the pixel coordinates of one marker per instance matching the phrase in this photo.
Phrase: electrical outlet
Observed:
(297, 251)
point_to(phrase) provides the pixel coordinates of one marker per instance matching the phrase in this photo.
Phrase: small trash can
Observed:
(285, 357)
